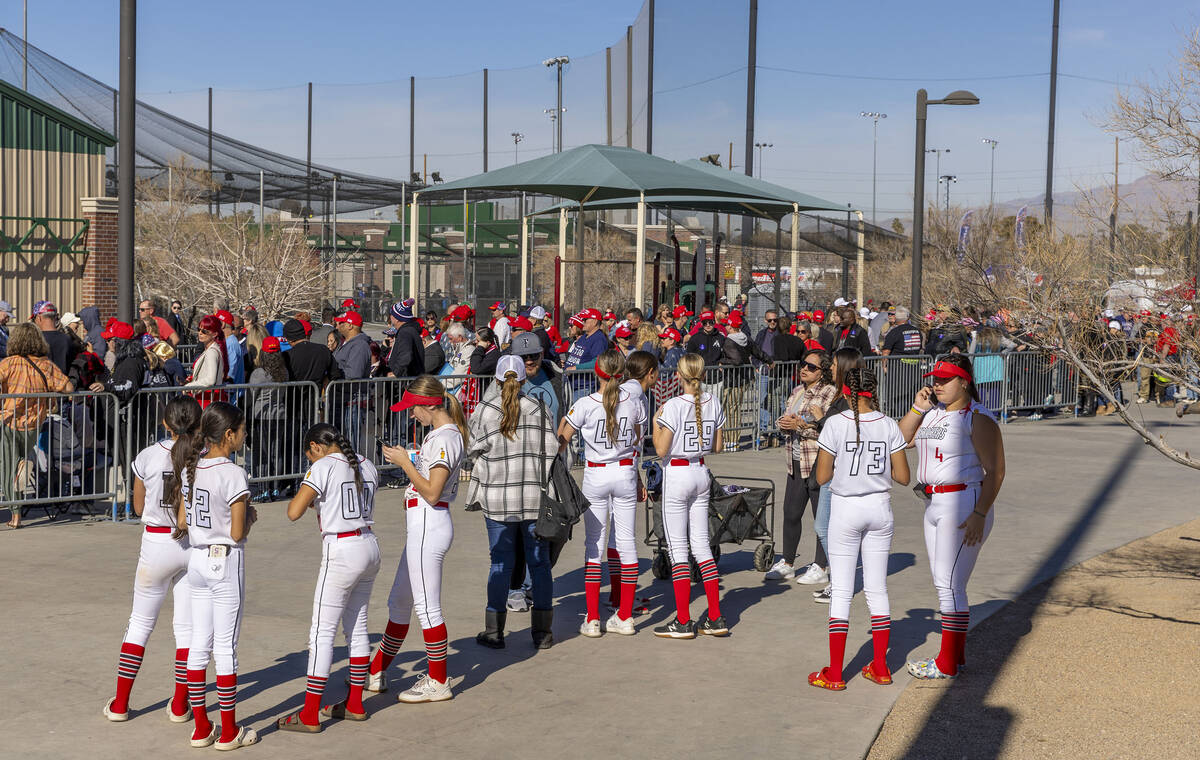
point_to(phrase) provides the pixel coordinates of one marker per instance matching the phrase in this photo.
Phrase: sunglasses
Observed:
(812, 367)
(771, 321)
(802, 332)
(144, 308)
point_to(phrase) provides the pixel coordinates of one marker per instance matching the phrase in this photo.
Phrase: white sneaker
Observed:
(824, 596)
(616, 625)
(376, 682)
(590, 628)
(813, 576)
(517, 602)
(427, 690)
(780, 571)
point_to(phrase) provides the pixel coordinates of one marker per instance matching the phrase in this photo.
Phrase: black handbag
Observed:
(557, 513)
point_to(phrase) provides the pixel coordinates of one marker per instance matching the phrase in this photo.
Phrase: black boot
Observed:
(542, 621)
(492, 636)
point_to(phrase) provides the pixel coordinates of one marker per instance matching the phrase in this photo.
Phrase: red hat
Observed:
(707, 316)
(462, 313)
(562, 347)
(818, 315)
(623, 331)
(118, 329)
(224, 317)
(577, 320)
(350, 303)
(270, 345)
(497, 305)
(308, 328)
(735, 319)
(592, 314)
(353, 317)
(410, 399)
(609, 315)
(671, 333)
(946, 370)
(812, 345)
(681, 311)
(521, 323)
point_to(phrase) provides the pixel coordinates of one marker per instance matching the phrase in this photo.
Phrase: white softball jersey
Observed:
(946, 454)
(634, 389)
(679, 416)
(862, 464)
(587, 416)
(442, 447)
(153, 467)
(219, 483)
(341, 508)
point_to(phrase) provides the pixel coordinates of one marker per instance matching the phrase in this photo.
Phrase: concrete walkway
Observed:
(1075, 488)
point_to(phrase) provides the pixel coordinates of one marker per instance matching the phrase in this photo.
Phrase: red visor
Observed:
(946, 370)
(411, 399)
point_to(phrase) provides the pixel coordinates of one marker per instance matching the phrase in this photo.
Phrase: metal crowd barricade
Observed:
(57, 450)
(775, 387)
(277, 415)
(1037, 381)
(900, 377)
(186, 353)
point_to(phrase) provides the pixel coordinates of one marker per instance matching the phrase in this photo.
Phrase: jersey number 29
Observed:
(693, 443)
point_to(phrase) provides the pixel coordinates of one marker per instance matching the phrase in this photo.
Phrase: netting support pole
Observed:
(793, 285)
(524, 260)
(262, 220)
(862, 257)
(628, 87)
(466, 226)
(412, 248)
(412, 125)
(639, 276)
(562, 254)
(485, 119)
(125, 150)
(579, 230)
(210, 171)
(751, 74)
(308, 163)
(778, 295)
(608, 96)
(650, 81)
(333, 256)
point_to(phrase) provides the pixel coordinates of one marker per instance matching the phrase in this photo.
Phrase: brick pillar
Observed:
(99, 287)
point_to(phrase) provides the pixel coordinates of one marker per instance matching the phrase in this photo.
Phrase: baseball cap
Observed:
(609, 314)
(864, 312)
(577, 320)
(707, 316)
(510, 363)
(840, 302)
(734, 319)
(460, 313)
(497, 305)
(118, 329)
(69, 319)
(44, 307)
(350, 303)
(401, 311)
(537, 312)
(353, 317)
(591, 314)
(270, 345)
(681, 311)
(623, 331)
(521, 323)
(1114, 324)
(525, 344)
(224, 316)
(818, 315)
(671, 333)
(6, 307)
(148, 340)
(306, 326)
(410, 399)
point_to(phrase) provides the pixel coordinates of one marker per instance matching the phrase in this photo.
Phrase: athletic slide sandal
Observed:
(207, 740)
(869, 674)
(293, 723)
(244, 738)
(821, 680)
(339, 712)
(115, 717)
(178, 718)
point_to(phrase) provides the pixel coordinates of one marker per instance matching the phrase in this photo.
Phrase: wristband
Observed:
(918, 412)
(981, 514)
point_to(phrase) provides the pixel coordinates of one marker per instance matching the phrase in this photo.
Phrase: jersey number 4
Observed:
(876, 451)
(624, 433)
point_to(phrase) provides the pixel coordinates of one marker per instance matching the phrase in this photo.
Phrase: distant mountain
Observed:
(1147, 200)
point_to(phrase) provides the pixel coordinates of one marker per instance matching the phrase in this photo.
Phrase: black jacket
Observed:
(856, 337)
(483, 363)
(548, 352)
(945, 337)
(62, 350)
(735, 355)
(789, 348)
(824, 336)
(407, 357)
(435, 358)
(710, 346)
(126, 378)
(313, 362)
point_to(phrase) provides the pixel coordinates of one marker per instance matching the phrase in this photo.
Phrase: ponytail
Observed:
(430, 386)
(182, 417)
(691, 371)
(218, 419)
(610, 367)
(324, 434)
(455, 410)
(510, 405)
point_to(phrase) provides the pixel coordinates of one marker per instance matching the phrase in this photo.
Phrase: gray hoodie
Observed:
(91, 322)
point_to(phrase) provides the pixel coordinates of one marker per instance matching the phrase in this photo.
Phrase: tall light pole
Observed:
(126, 156)
(559, 62)
(517, 137)
(760, 147)
(956, 98)
(554, 124)
(875, 117)
(992, 181)
(948, 179)
(937, 172)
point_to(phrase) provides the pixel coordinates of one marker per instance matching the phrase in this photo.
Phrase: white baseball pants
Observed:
(162, 566)
(418, 583)
(859, 524)
(217, 600)
(950, 559)
(611, 490)
(348, 569)
(685, 512)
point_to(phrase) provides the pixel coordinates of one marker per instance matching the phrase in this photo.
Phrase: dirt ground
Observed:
(1100, 662)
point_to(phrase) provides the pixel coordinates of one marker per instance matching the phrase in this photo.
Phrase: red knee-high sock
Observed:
(615, 575)
(953, 629)
(128, 663)
(358, 679)
(881, 631)
(965, 619)
(179, 702)
(196, 687)
(435, 651)
(591, 589)
(838, 629)
(681, 578)
(629, 575)
(227, 700)
(712, 588)
(311, 714)
(393, 639)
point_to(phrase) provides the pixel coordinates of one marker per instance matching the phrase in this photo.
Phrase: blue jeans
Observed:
(502, 538)
(824, 504)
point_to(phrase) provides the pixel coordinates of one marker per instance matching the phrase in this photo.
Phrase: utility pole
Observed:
(127, 157)
(1050, 129)
(751, 77)
(992, 180)
(874, 116)
(1112, 216)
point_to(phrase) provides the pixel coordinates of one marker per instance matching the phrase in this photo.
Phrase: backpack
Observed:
(156, 378)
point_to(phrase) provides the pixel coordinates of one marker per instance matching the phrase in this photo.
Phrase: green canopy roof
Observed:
(759, 207)
(766, 189)
(601, 172)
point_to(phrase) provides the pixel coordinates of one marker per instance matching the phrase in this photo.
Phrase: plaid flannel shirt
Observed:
(506, 476)
(802, 444)
(19, 375)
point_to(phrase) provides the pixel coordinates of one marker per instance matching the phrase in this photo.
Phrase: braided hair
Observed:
(182, 417)
(691, 372)
(860, 381)
(218, 419)
(324, 434)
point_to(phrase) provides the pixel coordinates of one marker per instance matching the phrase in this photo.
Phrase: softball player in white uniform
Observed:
(610, 424)
(216, 513)
(961, 466)
(686, 428)
(418, 583)
(861, 453)
(162, 566)
(341, 486)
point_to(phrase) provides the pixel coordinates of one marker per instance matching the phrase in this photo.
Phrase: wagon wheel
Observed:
(763, 556)
(661, 566)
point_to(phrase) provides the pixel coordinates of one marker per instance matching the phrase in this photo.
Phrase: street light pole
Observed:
(947, 178)
(875, 117)
(760, 147)
(558, 61)
(517, 137)
(956, 98)
(937, 172)
(992, 181)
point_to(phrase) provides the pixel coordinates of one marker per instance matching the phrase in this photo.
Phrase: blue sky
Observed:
(820, 64)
